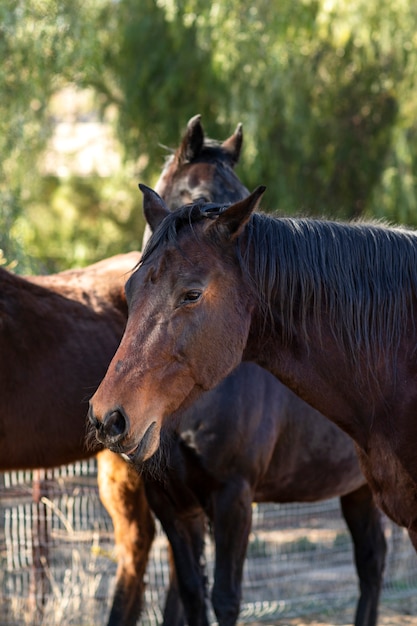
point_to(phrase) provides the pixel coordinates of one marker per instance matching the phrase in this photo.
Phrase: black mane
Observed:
(364, 275)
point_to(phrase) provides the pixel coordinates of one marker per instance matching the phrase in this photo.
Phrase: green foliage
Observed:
(37, 43)
(318, 89)
(101, 218)
(326, 92)
(162, 75)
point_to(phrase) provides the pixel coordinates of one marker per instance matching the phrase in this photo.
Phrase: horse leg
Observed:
(413, 537)
(173, 610)
(232, 520)
(365, 524)
(122, 493)
(185, 531)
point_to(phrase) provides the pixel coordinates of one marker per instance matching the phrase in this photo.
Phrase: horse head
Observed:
(184, 309)
(201, 169)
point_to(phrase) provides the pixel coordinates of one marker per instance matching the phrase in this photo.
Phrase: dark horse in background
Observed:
(252, 439)
(201, 170)
(329, 308)
(57, 335)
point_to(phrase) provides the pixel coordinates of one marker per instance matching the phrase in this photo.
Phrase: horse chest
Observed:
(394, 489)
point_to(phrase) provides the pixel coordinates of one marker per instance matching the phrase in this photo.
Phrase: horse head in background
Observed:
(200, 170)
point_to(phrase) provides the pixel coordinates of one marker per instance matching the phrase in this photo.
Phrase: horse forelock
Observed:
(363, 275)
(188, 215)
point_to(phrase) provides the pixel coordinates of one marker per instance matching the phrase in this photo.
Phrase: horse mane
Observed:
(364, 275)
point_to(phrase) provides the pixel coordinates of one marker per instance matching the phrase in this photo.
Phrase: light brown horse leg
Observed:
(123, 495)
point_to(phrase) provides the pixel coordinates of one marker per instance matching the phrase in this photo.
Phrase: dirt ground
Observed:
(396, 613)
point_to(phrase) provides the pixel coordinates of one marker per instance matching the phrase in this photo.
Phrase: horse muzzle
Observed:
(114, 429)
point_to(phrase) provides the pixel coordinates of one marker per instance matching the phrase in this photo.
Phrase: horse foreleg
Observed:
(365, 524)
(232, 520)
(173, 609)
(123, 494)
(413, 537)
(185, 530)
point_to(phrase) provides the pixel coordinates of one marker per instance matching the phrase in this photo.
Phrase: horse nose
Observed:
(113, 428)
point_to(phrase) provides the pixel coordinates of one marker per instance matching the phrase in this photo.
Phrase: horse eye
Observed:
(191, 296)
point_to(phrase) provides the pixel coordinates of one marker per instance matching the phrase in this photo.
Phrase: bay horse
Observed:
(253, 440)
(328, 307)
(58, 333)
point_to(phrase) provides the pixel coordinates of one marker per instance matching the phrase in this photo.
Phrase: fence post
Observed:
(39, 585)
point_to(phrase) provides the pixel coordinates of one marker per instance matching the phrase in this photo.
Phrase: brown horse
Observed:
(58, 333)
(252, 439)
(329, 308)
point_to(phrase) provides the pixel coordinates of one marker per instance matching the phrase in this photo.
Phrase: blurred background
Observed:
(92, 92)
(90, 89)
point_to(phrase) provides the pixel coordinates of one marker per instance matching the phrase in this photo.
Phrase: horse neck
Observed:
(317, 372)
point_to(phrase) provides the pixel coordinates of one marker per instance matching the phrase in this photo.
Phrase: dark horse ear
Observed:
(154, 207)
(193, 140)
(234, 219)
(233, 145)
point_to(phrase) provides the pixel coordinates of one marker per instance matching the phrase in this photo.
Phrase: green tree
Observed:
(319, 87)
(326, 92)
(38, 42)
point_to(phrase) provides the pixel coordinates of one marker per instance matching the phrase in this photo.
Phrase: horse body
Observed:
(384, 447)
(60, 331)
(328, 308)
(57, 335)
(253, 426)
(251, 439)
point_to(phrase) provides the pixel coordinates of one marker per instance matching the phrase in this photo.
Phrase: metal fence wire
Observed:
(60, 547)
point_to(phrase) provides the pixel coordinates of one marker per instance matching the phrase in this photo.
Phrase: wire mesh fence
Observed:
(57, 561)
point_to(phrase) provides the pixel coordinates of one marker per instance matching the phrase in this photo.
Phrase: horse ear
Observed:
(193, 140)
(154, 207)
(236, 216)
(233, 145)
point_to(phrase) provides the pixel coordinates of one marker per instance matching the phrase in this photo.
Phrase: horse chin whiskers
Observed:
(158, 464)
(91, 442)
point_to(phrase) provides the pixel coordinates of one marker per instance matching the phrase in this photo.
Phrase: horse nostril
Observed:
(115, 425)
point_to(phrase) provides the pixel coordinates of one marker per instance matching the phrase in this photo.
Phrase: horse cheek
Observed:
(230, 345)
